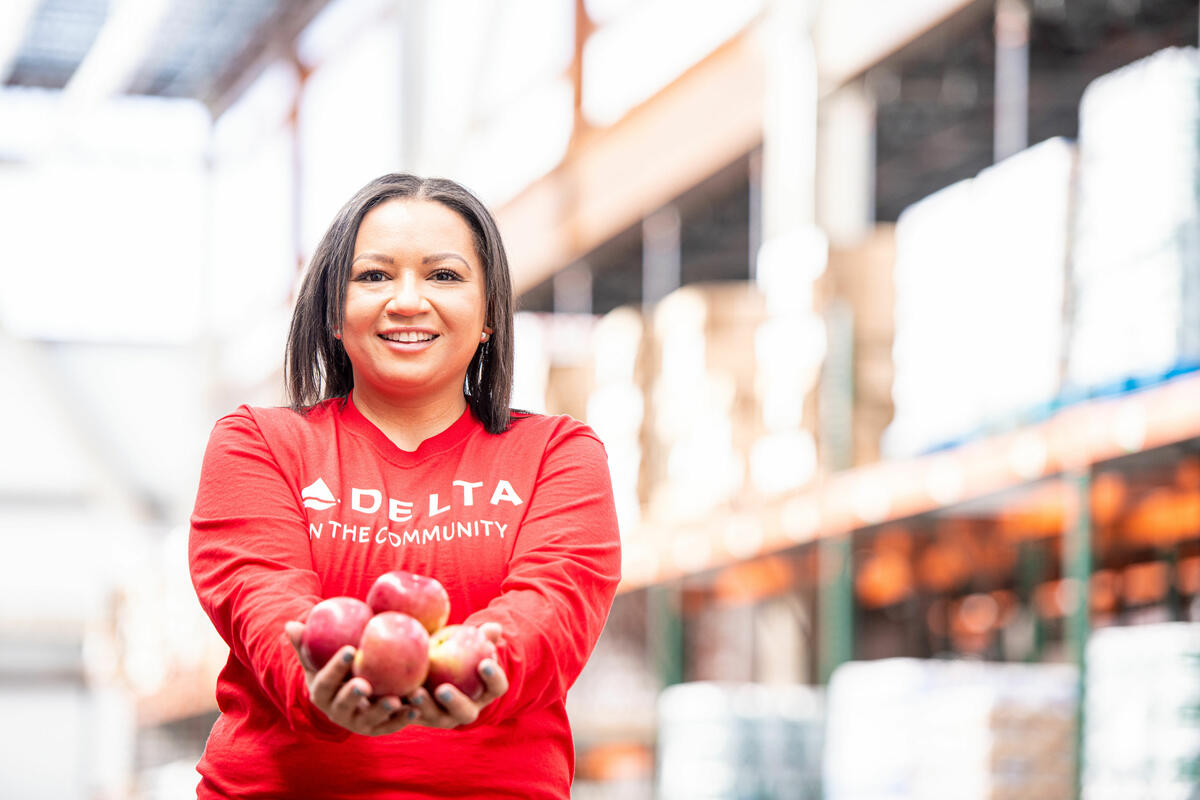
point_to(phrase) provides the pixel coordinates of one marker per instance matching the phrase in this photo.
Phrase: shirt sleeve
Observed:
(561, 579)
(251, 566)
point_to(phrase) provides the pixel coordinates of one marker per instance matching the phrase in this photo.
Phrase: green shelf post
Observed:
(1031, 571)
(835, 644)
(1077, 555)
(664, 627)
(835, 633)
(1174, 599)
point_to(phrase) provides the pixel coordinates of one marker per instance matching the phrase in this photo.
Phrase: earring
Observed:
(483, 337)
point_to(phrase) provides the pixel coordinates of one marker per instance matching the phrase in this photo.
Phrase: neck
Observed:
(409, 421)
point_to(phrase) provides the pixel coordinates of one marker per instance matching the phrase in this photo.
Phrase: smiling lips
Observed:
(408, 337)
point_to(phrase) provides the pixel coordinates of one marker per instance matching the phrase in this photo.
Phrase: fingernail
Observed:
(416, 701)
(488, 670)
(412, 715)
(358, 691)
(348, 656)
(389, 706)
(444, 695)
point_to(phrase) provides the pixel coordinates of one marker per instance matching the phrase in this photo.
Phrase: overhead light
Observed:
(118, 51)
(15, 16)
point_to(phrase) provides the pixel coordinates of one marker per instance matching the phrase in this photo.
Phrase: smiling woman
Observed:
(415, 315)
(399, 367)
(386, 214)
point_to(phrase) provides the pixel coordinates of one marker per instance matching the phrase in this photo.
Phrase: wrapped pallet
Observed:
(979, 281)
(946, 730)
(616, 406)
(728, 741)
(1142, 713)
(859, 277)
(705, 406)
(1135, 270)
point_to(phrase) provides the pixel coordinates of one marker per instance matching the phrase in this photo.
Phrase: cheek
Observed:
(470, 311)
(360, 309)
(481, 307)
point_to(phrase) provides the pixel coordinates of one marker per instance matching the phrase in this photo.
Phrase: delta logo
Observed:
(370, 501)
(317, 495)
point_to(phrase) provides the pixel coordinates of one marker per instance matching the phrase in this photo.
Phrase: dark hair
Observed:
(317, 367)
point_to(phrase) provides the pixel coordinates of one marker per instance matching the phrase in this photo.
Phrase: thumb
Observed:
(294, 632)
(493, 632)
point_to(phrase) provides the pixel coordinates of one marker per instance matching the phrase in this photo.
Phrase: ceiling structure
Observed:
(935, 98)
(208, 50)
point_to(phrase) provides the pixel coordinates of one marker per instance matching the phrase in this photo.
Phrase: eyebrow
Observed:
(429, 259)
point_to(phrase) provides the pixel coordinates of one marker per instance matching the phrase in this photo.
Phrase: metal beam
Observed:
(706, 120)
(710, 116)
(275, 40)
(119, 49)
(584, 28)
(853, 35)
(661, 255)
(15, 16)
(1011, 131)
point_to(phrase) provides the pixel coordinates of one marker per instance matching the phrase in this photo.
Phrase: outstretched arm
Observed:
(251, 565)
(562, 577)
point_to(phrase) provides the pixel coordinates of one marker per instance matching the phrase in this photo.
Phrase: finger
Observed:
(456, 704)
(428, 712)
(351, 699)
(420, 701)
(295, 632)
(401, 719)
(493, 632)
(377, 712)
(495, 681)
(329, 680)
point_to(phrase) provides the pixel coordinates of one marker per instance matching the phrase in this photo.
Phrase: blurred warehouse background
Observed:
(888, 313)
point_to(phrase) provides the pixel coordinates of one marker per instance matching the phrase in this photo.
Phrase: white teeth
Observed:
(408, 336)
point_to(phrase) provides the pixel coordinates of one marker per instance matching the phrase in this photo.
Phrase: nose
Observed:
(407, 300)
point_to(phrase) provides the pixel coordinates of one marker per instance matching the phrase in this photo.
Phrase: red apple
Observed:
(454, 655)
(419, 596)
(331, 625)
(393, 654)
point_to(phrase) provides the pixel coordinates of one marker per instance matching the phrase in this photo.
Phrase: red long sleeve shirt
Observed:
(519, 527)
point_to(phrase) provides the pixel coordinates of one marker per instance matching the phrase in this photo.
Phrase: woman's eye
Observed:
(446, 275)
(372, 276)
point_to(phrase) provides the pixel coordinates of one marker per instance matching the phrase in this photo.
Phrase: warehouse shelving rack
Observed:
(1067, 444)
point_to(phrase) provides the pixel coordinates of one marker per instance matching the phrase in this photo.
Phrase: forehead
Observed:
(417, 226)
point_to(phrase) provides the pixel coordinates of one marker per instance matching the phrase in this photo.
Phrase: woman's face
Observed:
(415, 302)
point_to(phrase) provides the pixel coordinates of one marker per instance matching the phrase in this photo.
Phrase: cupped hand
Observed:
(449, 707)
(348, 702)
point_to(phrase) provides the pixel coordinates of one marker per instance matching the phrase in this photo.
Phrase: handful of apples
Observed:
(400, 637)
